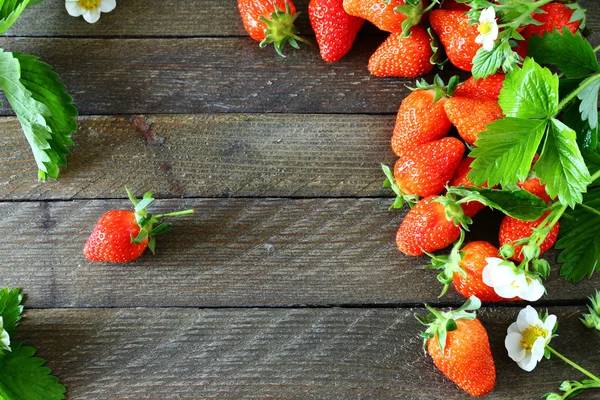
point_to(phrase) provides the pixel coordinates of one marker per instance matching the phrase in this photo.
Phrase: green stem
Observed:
(590, 209)
(596, 49)
(551, 224)
(572, 364)
(575, 92)
(175, 214)
(595, 176)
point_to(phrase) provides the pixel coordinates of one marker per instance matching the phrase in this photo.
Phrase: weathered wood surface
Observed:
(279, 353)
(232, 252)
(214, 155)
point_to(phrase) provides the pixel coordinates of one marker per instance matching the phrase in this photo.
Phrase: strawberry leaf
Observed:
(569, 52)
(561, 166)
(579, 239)
(23, 376)
(10, 309)
(589, 103)
(10, 10)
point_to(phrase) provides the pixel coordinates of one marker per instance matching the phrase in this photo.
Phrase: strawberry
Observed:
(464, 268)
(482, 89)
(123, 235)
(513, 230)
(471, 116)
(459, 346)
(426, 228)
(457, 36)
(426, 169)
(460, 178)
(407, 57)
(388, 15)
(421, 118)
(335, 29)
(534, 186)
(455, 6)
(270, 21)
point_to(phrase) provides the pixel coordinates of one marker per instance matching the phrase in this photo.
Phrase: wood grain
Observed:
(279, 353)
(214, 155)
(231, 253)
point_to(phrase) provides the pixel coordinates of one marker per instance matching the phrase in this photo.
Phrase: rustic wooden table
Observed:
(287, 282)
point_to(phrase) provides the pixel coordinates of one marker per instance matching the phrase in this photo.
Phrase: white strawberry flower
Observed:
(509, 281)
(4, 338)
(527, 338)
(90, 9)
(488, 28)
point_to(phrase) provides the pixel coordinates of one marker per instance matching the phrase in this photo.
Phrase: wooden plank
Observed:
(231, 253)
(216, 155)
(279, 353)
(190, 18)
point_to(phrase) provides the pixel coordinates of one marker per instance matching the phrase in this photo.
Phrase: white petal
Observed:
(527, 317)
(108, 5)
(528, 363)
(92, 16)
(508, 291)
(494, 32)
(512, 342)
(534, 291)
(500, 275)
(550, 323)
(480, 39)
(488, 43)
(73, 8)
(489, 14)
(513, 328)
(537, 351)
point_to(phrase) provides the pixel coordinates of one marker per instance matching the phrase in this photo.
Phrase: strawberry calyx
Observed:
(280, 29)
(401, 197)
(438, 57)
(147, 221)
(440, 323)
(440, 88)
(454, 211)
(449, 264)
(414, 11)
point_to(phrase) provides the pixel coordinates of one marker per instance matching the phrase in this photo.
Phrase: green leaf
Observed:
(519, 204)
(10, 309)
(32, 2)
(486, 63)
(530, 92)
(570, 52)
(589, 103)
(42, 107)
(505, 151)
(579, 239)
(23, 376)
(561, 166)
(592, 161)
(10, 10)
(587, 138)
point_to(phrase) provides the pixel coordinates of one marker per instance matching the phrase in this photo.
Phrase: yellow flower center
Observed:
(89, 4)
(485, 28)
(530, 335)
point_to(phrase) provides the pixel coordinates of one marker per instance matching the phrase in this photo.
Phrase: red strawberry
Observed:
(459, 346)
(421, 118)
(426, 228)
(471, 116)
(270, 21)
(426, 169)
(457, 36)
(460, 179)
(335, 30)
(534, 186)
(387, 15)
(482, 89)
(455, 6)
(407, 57)
(512, 229)
(123, 235)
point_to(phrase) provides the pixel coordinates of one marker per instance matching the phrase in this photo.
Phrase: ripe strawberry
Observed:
(455, 6)
(460, 178)
(534, 186)
(407, 57)
(426, 228)
(512, 229)
(426, 169)
(270, 21)
(471, 116)
(482, 89)
(459, 346)
(421, 118)
(387, 15)
(457, 36)
(335, 29)
(123, 235)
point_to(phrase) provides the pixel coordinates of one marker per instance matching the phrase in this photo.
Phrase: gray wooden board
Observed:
(279, 353)
(213, 155)
(232, 252)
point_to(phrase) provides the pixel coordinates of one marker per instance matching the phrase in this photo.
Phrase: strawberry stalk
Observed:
(448, 264)
(281, 30)
(414, 11)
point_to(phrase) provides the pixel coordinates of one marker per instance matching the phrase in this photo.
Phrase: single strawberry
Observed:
(460, 178)
(464, 266)
(481, 89)
(335, 29)
(516, 232)
(471, 116)
(388, 15)
(460, 348)
(123, 235)
(426, 169)
(406, 57)
(457, 36)
(270, 21)
(426, 228)
(421, 118)
(534, 186)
